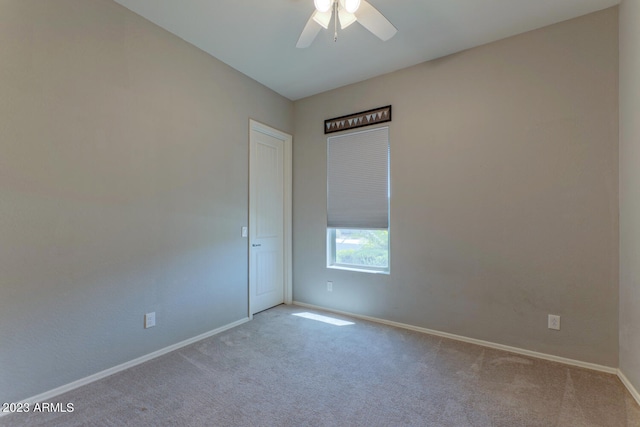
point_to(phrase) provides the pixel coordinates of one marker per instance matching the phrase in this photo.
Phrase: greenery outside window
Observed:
(358, 249)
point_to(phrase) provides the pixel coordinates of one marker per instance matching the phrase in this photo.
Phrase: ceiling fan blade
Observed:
(309, 33)
(375, 22)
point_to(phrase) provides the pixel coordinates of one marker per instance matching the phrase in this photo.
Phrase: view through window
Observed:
(361, 248)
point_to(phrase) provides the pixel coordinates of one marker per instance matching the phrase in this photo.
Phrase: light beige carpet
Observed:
(285, 370)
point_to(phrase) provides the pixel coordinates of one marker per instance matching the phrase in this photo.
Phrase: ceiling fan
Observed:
(347, 12)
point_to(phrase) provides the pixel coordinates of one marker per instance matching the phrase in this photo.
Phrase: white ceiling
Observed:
(258, 37)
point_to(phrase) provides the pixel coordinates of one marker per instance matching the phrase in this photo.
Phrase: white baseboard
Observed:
(629, 386)
(47, 395)
(564, 360)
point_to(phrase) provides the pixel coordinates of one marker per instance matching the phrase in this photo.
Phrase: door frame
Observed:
(288, 221)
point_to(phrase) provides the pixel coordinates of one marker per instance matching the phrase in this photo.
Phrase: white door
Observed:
(267, 219)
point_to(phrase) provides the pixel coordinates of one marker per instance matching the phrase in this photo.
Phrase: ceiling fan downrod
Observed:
(335, 21)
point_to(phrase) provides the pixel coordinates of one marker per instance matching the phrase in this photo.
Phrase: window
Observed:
(358, 192)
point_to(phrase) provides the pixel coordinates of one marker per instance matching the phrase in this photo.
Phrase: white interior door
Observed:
(267, 217)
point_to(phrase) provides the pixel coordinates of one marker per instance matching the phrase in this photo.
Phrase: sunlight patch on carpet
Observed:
(325, 319)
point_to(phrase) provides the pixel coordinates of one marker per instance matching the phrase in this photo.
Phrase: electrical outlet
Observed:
(330, 286)
(554, 322)
(150, 320)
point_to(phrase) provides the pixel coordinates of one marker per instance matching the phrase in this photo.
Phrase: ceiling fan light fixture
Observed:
(346, 12)
(350, 6)
(323, 5)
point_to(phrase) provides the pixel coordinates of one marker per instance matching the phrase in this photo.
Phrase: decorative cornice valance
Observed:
(358, 120)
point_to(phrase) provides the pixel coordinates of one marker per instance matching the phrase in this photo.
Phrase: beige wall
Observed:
(629, 190)
(504, 206)
(123, 187)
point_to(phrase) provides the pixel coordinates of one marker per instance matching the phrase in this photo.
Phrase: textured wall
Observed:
(504, 204)
(123, 187)
(629, 190)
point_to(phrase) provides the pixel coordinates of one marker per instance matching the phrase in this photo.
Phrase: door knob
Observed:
(256, 244)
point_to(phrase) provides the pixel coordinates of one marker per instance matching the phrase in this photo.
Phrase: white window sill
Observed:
(360, 270)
